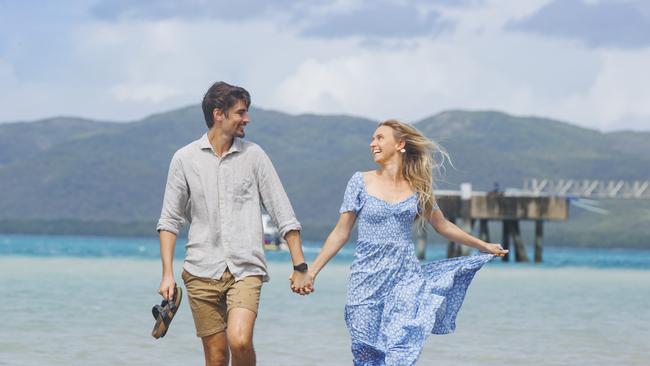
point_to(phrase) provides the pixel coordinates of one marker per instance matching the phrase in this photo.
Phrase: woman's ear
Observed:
(401, 144)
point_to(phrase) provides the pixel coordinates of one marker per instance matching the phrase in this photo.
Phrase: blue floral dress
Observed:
(394, 302)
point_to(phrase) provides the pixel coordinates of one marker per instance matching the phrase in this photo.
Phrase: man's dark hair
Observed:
(223, 96)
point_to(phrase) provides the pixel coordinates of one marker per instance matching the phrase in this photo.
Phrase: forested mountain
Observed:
(69, 175)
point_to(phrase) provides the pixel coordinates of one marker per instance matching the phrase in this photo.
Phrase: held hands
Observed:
(495, 249)
(167, 287)
(302, 283)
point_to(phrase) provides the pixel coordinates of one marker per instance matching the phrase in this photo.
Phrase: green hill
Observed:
(67, 175)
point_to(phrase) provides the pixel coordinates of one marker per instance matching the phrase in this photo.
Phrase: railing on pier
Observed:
(588, 188)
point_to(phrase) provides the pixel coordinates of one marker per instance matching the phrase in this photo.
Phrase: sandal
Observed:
(164, 313)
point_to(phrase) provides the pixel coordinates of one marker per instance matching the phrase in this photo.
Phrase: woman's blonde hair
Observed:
(419, 163)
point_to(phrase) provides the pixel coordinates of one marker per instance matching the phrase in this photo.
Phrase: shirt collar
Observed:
(204, 143)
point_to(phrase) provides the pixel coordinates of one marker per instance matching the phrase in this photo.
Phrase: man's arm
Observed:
(277, 204)
(167, 245)
(171, 221)
(301, 283)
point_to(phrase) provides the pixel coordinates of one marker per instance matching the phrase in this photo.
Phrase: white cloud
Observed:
(475, 71)
(490, 15)
(618, 99)
(131, 68)
(148, 93)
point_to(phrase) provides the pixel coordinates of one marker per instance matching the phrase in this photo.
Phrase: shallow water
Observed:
(96, 311)
(87, 301)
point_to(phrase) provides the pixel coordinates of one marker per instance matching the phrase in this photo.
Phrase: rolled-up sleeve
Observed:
(274, 198)
(173, 215)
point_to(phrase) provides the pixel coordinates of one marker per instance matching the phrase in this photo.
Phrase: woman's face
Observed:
(383, 146)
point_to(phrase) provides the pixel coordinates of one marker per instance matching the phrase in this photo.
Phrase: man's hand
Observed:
(167, 287)
(302, 283)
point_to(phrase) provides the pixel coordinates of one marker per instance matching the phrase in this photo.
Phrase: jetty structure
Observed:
(466, 207)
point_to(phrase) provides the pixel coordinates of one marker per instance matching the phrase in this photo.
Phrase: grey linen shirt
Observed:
(222, 199)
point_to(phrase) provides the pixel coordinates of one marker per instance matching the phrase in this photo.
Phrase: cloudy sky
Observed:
(583, 61)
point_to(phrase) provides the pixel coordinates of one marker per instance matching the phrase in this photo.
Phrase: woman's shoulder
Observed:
(362, 177)
(357, 180)
(365, 175)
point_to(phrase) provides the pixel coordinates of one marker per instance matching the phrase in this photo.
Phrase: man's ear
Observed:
(217, 115)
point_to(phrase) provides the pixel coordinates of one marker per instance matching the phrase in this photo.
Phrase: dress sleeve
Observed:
(353, 200)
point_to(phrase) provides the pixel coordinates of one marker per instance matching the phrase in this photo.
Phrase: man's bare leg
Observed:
(240, 336)
(215, 349)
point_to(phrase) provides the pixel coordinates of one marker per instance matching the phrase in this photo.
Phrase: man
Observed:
(219, 183)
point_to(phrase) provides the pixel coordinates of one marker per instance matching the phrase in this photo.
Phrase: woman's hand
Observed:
(302, 283)
(495, 249)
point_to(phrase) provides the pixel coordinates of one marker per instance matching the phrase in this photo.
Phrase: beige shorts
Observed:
(210, 299)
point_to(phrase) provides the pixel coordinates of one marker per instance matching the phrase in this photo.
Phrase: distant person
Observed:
(393, 301)
(219, 184)
(496, 190)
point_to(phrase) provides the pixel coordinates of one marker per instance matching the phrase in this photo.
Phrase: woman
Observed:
(393, 302)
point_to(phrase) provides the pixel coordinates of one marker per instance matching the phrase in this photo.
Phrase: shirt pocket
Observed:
(242, 189)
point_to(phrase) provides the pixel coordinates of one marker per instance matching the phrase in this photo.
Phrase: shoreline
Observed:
(7, 260)
(311, 232)
(181, 238)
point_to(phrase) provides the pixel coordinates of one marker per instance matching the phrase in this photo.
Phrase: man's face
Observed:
(234, 121)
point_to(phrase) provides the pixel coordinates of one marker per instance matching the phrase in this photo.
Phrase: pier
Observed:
(466, 208)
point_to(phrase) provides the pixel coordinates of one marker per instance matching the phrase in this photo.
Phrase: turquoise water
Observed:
(87, 301)
(147, 248)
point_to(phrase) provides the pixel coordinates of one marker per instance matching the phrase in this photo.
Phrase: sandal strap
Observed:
(165, 318)
(157, 309)
(172, 305)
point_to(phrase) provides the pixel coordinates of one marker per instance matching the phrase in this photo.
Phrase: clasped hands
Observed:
(302, 283)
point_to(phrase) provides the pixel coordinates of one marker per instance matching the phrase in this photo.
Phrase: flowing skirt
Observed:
(393, 308)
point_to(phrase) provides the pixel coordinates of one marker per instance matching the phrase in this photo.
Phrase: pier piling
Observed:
(506, 239)
(484, 230)
(538, 240)
(520, 250)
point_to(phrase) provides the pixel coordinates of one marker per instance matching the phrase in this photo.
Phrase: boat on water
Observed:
(272, 240)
